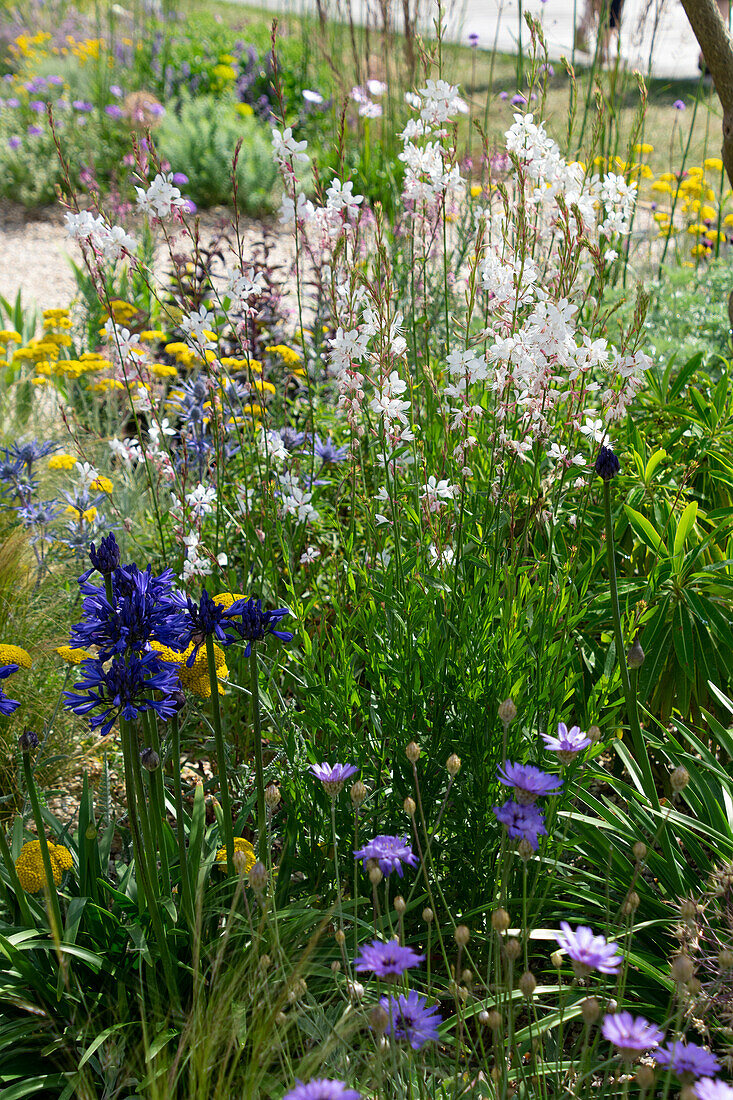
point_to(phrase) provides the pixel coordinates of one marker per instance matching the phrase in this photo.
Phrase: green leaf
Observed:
(645, 530)
(685, 525)
(653, 463)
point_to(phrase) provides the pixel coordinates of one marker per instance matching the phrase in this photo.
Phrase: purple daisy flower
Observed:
(522, 822)
(568, 742)
(411, 1018)
(390, 852)
(333, 778)
(528, 782)
(113, 110)
(34, 131)
(679, 105)
(321, 1089)
(14, 141)
(707, 1089)
(687, 1060)
(632, 1035)
(518, 100)
(386, 960)
(587, 951)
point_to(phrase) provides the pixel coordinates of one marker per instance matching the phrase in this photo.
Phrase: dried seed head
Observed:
(462, 994)
(635, 656)
(590, 1009)
(694, 987)
(258, 877)
(400, 905)
(340, 937)
(467, 976)
(527, 984)
(640, 850)
(725, 959)
(412, 752)
(682, 968)
(500, 920)
(281, 1018)
(632, 902)
(645, 1077)
(688, 910)
(524, 849)
(461, 935)
(358, 793)
(494, 1020)
(335, 966)
(507, 712)
(512, 949)
(409, 806)
(375, 876)
(594, 733)
(453, 765)
(265, 962)
(272, 796)
(428, 915)
(556, 959)
(378, 1019)
(679, 779)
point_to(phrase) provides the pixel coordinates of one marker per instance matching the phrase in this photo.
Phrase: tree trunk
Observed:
(717, 49)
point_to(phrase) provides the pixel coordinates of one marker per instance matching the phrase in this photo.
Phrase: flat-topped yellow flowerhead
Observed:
(195, 678)
(14, 655)
(240, 845)
(29, 865)
(73, 656)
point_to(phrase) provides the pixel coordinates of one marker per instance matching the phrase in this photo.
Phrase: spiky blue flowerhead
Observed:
(411, 1019)
(386, 960)
(254, 623)
(327, 450)
(390, 852)
(123, 689)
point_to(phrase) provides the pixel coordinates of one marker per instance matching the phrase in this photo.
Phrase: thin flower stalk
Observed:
(221, 758)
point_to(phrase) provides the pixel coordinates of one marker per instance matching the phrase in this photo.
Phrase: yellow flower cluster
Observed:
(26, 45)
(104, 385)
(699, 200)
(62, 462)
(14, 655)
(235, 364)
(152, 335)
(187, 357)
(79, 514)
(226, 599)
(240, 845)
(29, 865)
(56, 318)
(9, 336)
(122, 312)
(195, 678)
(289, 356)
(73, 656)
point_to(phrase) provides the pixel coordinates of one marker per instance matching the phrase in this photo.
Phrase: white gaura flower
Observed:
(287, 149)
(200, 500)
(161, 198)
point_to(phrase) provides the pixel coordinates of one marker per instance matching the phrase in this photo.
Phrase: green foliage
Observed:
(201, 139)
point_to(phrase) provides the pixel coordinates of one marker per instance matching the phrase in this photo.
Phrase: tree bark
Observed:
(717, 50)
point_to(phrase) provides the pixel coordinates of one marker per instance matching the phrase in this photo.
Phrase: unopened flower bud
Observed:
(412, 752)
(679, 779)
(493, 1020)
(265, 962)
(590, 1009)
(607, 464)
(594, 733)
(640, 851)
(500, 920)
(335, 966)
(281, 1019)
(527, 984)
(453, 765)
(358, 793)
(428, 915)
(635, 656)
(524, 849)
(467, 976)
(150, 760)
(682, 968)
(409, 806)
(556, 959)
(356, 990)
(645, 1077)
(507, 712)
(694, 987)
(400, 905)
(375, 876)
(725, 959)
(378, 1019)
(340, 936)
(631, 904)
(461, 935)
(239, 862)
(272, 796)
(688, 1092)
(258, 877)
(28, 741)
(512, 949)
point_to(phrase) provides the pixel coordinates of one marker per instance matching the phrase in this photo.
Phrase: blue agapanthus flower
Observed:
(107, 558)
(207, 619)
(254, 623)
(8, 705)
(124, 688)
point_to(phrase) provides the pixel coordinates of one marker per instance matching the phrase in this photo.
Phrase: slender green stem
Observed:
(180, 830)
(7, 859)
(259, 768)
(221, 757)
(54, 908)
(157, 798)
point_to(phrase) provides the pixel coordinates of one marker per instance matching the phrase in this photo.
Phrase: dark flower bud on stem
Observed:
(607, 464)
(28, 741)
(107, 558)
(149, 759)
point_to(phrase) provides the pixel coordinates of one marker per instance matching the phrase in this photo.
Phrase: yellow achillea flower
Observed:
(29, 865)
(262, 386)
(644, 148)
(195, 678)
(164, 370)
(9, 334)
(226, 599)
(289, 356)
(102, 484)
(14, 655)
(105, 384)
(151, 335)
(73, 656)
(241, 364)
(714, 164)
(240, 845)
(61, 462)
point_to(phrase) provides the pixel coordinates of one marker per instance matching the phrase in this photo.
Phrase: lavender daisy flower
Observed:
(687, 1060)
(522, 822)
(518, 100)
(321, 1089)
(386, 960)
(707, 1089)
(390, 852)
(35, 131)
(587, 951)
(632, 1035)
(333, 778)
(411, 1018)
(14, 141)
(568, 742)
(679, 105)
(114, 110)
(8, 705)
(528, 782)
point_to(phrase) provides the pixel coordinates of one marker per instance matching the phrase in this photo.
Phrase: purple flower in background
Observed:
(12, 102)
(707, 1089)
(327, 450)
(529, 782)
(473, 39)
(522, 822)
(518, 100)
(503, 95)
(679, 105)
(55, 80)
(568, 742)
(333, 778)
(390, 852)
(547, 69)
(189, 206)
(386, 960)
(687, 1060)
(81, 105)
(37, 105)
(115, 90)
(587, 951)
(632, 1035)
(411, 1018)
(321, 1089)
(113, 110)
(157, 109)
(34, 131)
(179, 179)
(14, 141)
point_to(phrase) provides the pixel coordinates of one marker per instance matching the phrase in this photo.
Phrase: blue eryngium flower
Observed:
(255, 623)
(8, 705)
(607, 464)
(107, 558)
(123, 689)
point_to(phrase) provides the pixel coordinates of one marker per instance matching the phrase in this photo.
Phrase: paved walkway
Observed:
(655, 35)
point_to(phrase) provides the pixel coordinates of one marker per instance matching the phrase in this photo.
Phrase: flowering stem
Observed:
(50, 886)
(259, 769)
(180, 831)
(221, 757)
(157, 797)
(336, 862)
